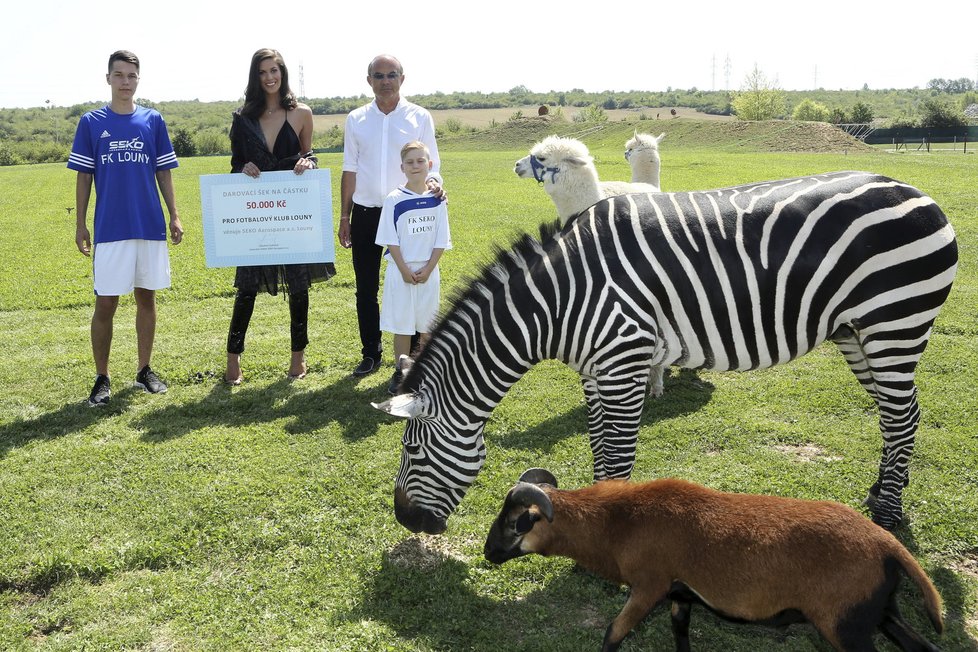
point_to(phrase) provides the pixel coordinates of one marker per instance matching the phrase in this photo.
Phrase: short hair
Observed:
(370, 66)
(123, 55)
(415, 144)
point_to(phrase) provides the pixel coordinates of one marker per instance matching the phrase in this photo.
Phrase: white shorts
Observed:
(120, 266)
(406, 309)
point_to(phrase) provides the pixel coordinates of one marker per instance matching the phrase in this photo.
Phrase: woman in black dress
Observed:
(272, 131)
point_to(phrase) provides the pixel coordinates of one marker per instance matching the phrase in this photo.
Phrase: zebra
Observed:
(732, 279)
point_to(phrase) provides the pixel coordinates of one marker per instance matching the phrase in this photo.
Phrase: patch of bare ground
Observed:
(425, 552)
(967, 565)
(591, 617)
(806, 453)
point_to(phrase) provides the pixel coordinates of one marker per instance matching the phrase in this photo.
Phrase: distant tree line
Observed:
(41, 135)
(951, 86)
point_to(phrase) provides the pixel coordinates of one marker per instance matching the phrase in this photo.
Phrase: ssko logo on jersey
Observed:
(126, 151)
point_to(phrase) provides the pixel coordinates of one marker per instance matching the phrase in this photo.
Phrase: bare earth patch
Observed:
(424, 552)
(806, 453)
(968, 565)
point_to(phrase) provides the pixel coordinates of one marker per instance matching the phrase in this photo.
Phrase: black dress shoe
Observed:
(367, 366)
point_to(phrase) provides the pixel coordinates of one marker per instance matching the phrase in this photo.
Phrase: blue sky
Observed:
(201, 50)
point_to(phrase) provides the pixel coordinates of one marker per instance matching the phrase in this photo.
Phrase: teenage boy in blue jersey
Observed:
(126, 150)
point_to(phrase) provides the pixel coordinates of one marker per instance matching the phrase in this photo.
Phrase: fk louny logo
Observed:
(126, 151)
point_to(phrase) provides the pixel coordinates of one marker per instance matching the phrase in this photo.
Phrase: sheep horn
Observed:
(539, 476)
(525, 494)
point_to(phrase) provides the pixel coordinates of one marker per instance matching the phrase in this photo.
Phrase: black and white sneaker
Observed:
(148, 380)
(395, 382)
(100, 392)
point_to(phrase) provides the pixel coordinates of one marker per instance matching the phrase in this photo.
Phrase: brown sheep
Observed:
(752, 558)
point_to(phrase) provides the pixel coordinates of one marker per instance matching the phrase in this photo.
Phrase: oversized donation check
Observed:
(280, 218)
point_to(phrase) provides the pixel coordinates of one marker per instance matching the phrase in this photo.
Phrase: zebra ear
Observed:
(405, 362)
(406, 406)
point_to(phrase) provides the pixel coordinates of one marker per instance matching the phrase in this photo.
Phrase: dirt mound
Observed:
(682, 133)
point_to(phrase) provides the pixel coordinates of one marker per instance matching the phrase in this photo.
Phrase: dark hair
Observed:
(123, 55)
(254, 104)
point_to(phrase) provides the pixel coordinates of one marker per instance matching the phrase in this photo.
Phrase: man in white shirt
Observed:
(373, 138)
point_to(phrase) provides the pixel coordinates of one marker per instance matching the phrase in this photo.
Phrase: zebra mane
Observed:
(491, 277)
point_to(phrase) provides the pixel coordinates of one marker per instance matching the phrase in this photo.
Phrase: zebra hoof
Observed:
(886, 513)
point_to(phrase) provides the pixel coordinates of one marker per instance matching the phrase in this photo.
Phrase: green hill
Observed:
(684, 133)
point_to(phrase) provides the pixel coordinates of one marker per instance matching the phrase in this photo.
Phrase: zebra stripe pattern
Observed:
(732, 279)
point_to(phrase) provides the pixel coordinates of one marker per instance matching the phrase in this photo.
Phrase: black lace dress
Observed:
(248, 144)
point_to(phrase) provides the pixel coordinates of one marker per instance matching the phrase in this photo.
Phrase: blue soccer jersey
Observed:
(124, 153)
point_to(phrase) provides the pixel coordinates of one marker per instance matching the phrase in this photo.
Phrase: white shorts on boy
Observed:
(406, 309)
(120, 266)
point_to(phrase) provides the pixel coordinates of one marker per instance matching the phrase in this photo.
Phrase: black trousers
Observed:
(366, 271)
(244, 306)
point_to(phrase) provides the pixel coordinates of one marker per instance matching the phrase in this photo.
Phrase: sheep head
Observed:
(526, 504)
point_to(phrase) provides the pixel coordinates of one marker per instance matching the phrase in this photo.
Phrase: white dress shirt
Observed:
(372, 145)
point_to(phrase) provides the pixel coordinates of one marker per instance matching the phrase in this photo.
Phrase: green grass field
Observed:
(260, 517)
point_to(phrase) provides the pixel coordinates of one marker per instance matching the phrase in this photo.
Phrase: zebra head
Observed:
(439, 462)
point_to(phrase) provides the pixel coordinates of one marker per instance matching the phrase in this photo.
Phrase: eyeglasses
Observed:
(390, 75)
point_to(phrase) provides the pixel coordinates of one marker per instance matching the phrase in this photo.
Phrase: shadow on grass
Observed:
(68, 419)
(426, 595)
(343, 403)
(954, 593)
(684, 393)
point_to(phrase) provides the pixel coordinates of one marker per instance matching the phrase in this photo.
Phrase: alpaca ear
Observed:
(578, 161)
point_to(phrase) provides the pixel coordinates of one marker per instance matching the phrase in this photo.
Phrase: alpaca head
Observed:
(552, 158)
(642, 154)
(643, 147)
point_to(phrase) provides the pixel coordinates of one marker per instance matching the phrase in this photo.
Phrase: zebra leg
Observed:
(621, 399)
(595, 425)
(888, 379)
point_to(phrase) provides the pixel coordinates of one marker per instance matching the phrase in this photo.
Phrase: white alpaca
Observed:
(565, 168)
(642, 154)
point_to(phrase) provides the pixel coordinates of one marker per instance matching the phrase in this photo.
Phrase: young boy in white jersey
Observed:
(125, 149)
(414, 228)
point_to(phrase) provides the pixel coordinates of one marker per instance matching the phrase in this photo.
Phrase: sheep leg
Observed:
(901, 634)
(639, 604)
(680, 623)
